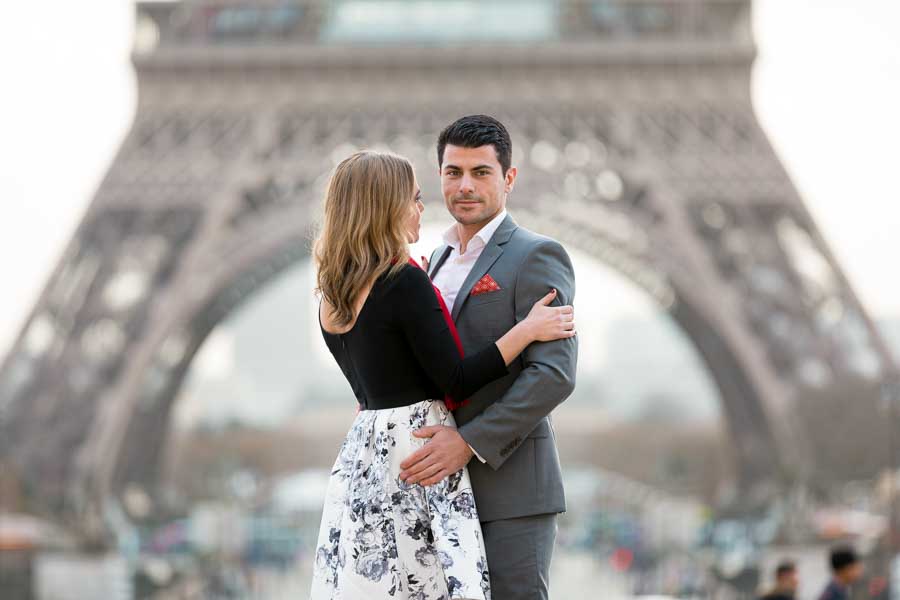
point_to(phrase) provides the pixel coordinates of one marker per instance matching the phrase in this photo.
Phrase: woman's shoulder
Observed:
(406, 276)
(409, 280)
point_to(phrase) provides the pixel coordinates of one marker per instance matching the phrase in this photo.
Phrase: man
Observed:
(490, 272)
(846, 570)
(785, 582)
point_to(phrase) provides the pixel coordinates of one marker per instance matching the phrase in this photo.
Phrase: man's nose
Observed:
(466, 184)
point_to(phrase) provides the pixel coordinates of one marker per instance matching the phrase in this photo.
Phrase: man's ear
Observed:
(510, 179)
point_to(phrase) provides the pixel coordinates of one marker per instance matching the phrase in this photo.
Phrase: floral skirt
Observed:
(383, 538)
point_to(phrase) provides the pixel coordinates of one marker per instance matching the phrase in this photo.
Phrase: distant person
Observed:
(785, 582)
(846, 570)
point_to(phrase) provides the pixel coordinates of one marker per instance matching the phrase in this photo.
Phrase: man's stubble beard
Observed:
(482, 219)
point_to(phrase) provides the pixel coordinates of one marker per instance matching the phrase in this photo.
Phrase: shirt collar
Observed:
(451, 236)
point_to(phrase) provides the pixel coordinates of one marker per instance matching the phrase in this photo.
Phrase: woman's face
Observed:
(414, 220)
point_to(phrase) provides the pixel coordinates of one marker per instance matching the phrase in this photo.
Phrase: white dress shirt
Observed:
(456, 268)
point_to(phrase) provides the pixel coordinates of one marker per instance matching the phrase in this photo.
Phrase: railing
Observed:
(439, 22)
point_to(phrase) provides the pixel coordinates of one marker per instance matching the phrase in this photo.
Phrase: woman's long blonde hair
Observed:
(363, 232)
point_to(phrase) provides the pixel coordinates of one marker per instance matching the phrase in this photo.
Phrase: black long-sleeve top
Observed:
(400, 350)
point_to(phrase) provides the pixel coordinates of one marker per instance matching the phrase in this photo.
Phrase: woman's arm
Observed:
(419, 315)
(543, 324)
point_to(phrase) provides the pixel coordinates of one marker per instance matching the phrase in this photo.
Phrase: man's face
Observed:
(473, 183)
(788, 581)
(852, 573)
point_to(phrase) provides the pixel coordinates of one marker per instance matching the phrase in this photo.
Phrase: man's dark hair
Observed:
(842, 556)
(785, 567)
(474, 131)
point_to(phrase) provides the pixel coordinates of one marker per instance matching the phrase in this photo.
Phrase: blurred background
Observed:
(721, 171)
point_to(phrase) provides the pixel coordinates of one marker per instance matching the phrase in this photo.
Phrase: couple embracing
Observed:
(448, 484)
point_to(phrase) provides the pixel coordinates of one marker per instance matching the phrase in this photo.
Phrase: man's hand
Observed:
(445, 454)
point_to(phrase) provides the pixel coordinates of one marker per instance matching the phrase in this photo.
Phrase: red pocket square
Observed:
(485, 284)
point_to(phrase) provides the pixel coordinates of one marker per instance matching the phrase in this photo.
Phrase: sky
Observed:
(826, 88)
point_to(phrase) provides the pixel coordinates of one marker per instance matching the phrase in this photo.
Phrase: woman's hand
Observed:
(544, 323)
(547, 323)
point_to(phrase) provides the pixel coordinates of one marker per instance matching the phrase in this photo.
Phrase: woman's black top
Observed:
(400, 350)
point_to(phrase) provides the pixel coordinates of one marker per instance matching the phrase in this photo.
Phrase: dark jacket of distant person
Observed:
(777, 595)
(835, 591)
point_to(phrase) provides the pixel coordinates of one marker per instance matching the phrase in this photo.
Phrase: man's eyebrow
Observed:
(476, 168)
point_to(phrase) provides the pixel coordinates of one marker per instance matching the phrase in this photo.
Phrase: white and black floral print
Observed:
(383, 538)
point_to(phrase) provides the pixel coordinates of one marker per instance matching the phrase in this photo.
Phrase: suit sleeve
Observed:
(548, 376)
(416, 310)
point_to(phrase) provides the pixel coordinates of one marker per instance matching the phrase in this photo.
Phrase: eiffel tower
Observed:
(637, 143)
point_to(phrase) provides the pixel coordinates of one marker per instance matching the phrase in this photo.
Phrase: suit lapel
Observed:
(442, 258)
(488, 257)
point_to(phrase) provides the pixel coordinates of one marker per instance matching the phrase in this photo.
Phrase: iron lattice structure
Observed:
(637, 143)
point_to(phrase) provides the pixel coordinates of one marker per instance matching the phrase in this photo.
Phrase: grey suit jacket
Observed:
(507, 422)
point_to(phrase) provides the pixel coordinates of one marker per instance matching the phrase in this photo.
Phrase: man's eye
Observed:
(481, 173)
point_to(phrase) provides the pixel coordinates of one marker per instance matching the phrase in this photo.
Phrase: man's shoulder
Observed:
(776, 596)
(530, 240)
(533, 249)
(833, 592)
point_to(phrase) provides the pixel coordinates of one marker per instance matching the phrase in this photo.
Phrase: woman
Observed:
(393, 338)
